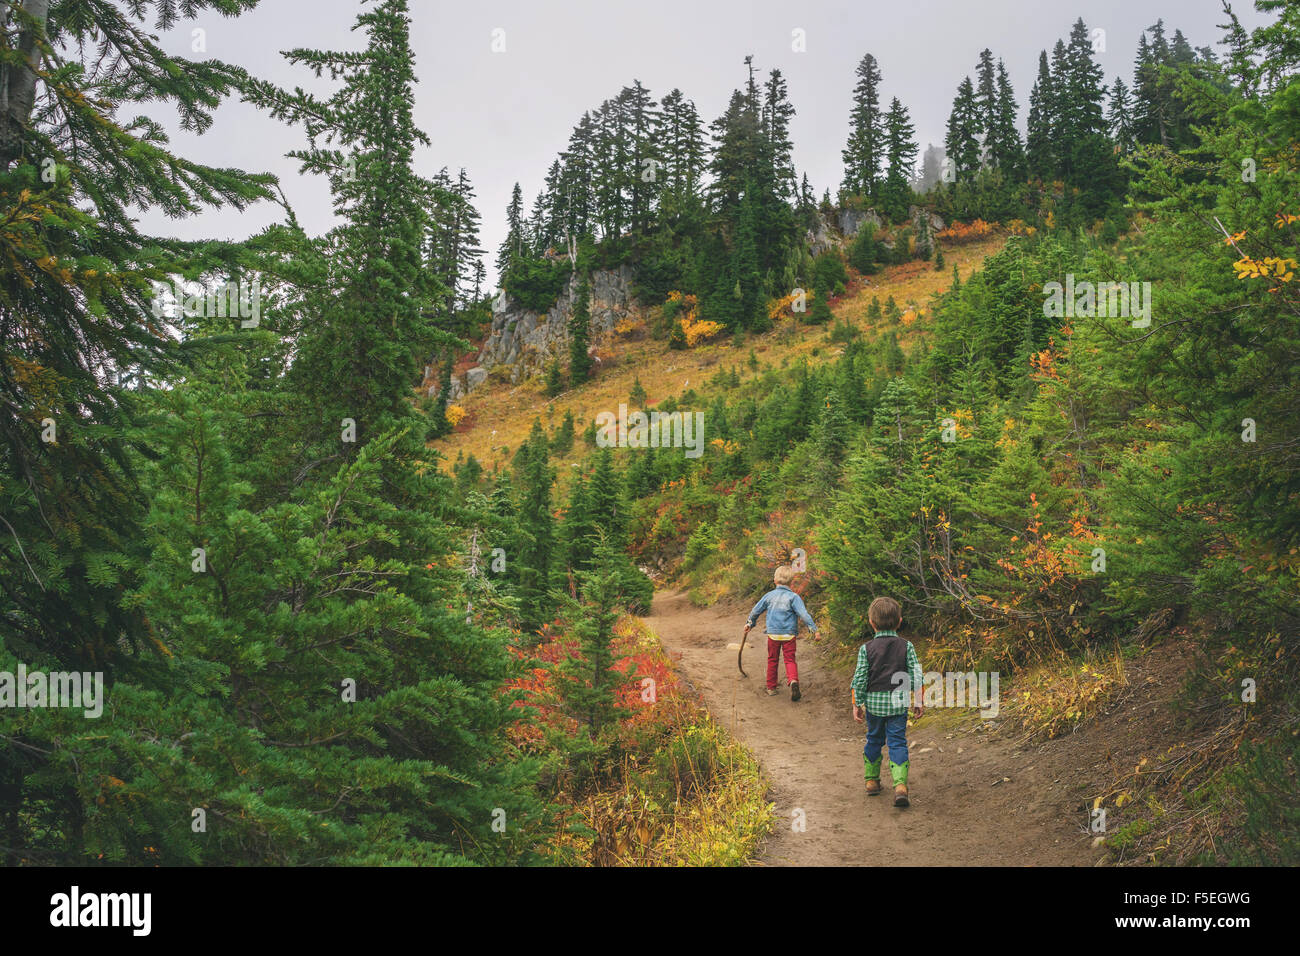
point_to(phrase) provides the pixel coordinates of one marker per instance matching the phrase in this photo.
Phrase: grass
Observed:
(500, 416)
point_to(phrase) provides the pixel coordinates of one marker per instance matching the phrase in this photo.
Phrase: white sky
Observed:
(505, 116)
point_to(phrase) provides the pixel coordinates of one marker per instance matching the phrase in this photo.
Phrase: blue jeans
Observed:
(878, 729)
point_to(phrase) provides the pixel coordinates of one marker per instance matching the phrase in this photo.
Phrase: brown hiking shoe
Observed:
(900, 796)
(873, 788)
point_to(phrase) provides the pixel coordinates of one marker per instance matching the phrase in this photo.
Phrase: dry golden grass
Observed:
(500, 416)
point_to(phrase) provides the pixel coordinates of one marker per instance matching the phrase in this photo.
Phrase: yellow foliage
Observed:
(455, 415)
(694, 329)
(777, 306)
(1269, 267)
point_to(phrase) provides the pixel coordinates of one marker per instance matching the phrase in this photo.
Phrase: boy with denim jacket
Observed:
(784, 610)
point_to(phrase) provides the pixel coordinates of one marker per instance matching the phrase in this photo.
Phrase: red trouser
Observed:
(773, 654)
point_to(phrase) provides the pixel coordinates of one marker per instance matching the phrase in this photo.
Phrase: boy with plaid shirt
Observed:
(887, 676)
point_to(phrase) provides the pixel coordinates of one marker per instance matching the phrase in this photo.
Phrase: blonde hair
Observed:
(783, 575)
(885, 614)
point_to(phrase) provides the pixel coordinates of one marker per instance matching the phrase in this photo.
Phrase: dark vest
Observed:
(886, 656)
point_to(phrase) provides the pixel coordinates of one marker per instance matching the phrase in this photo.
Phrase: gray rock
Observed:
(916, 212)
(851, 220)
(527, 340)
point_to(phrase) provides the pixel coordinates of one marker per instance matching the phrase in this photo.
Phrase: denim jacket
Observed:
(784, 611)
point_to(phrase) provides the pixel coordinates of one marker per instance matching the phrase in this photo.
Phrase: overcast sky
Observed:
(505, 115)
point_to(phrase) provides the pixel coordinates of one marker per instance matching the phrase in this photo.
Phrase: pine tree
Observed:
(1147, 124)
(1120, 116)
(580, 333)
(637, 397)
(1082, 106)
(962, 143)
(512, 246)
(1062, 120)
(555, 382)
(736, 137)
(76, 299)
(864, 154)
(831, 435)
(1040, 146)
(562, 442)
(900, 152)
(537, 532)
(607, 502)
(684, 150)
(646, 161)
(374, 321)
(986, 105)
(589, 681)
(1006, 152)
(776, 117)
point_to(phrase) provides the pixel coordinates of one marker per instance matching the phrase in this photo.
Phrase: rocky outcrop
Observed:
(526, 341)
(833, 230)
(851, 220)
(915, 213)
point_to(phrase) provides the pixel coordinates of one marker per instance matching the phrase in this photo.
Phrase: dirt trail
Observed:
(963, 813)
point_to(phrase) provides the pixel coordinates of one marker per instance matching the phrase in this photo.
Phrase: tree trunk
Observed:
(18, 87)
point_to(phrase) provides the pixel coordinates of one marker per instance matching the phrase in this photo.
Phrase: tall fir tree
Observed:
(513, 245)
(962, 143)
(536, 532)
(1040, 148)
(900, 154)
(580, 333)
(864, 153)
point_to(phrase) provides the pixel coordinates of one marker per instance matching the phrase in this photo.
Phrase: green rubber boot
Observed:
(871, 770)
(899, 772)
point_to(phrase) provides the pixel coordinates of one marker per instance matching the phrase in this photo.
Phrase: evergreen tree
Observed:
(900, 152)
(1006, 152)
(1040, 146)
(373, 320)
(589, 681)
(1120, 116)
(962, 143)
(513, 245)
(684, 151)
(986, 104)
(776, 117)
(536, 532)
(562, 442)
(554, 378)
(864, 153)
(637, 397)
(1081, 109)
(580, 333)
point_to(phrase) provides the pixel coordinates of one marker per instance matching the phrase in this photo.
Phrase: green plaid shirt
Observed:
(884, 703)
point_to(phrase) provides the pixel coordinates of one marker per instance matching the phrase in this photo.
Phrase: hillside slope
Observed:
(498, 415)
